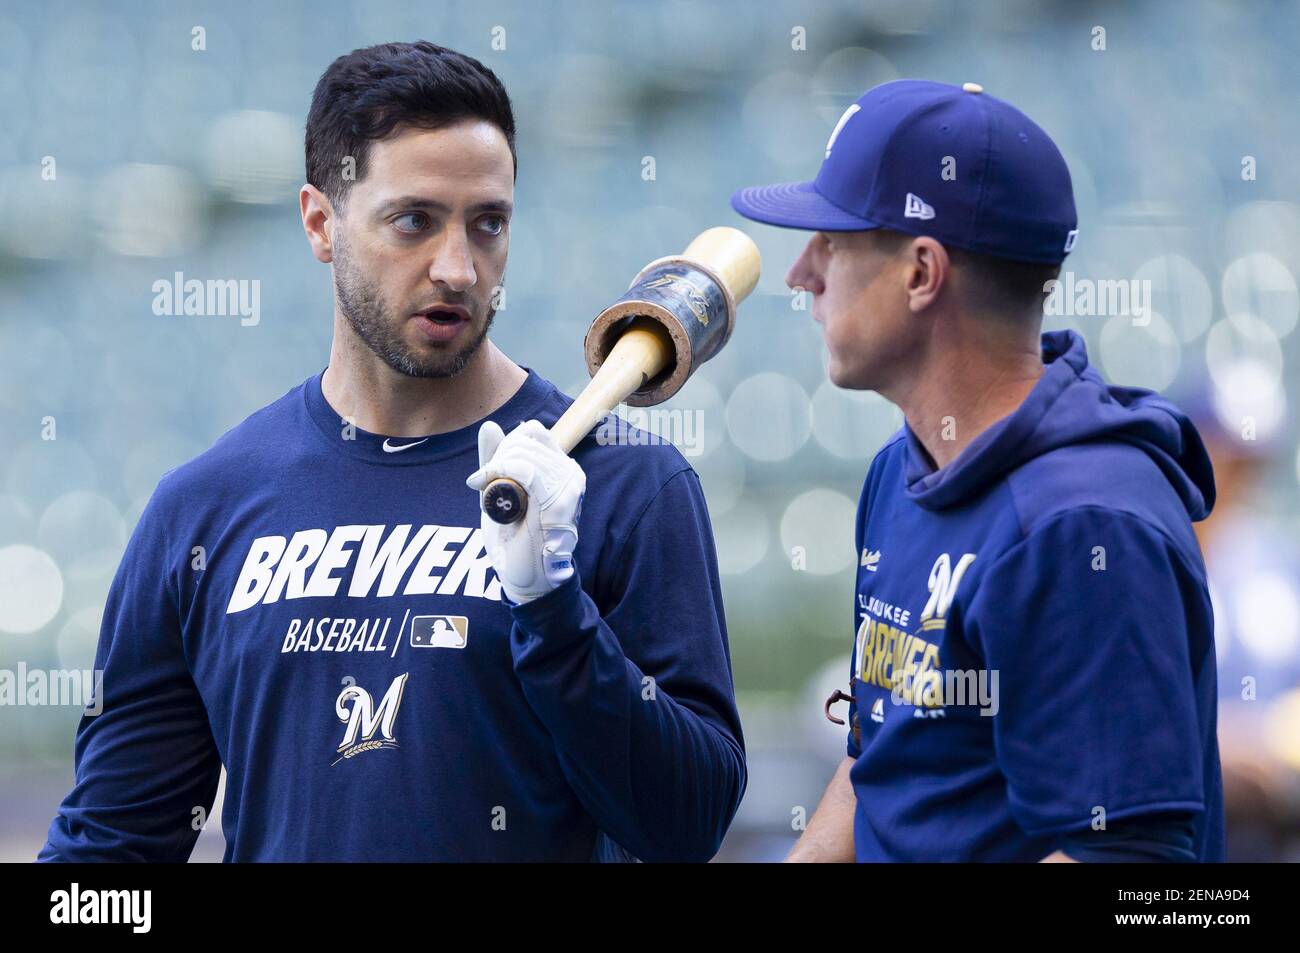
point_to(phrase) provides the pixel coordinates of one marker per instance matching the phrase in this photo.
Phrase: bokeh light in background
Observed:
(170, 160)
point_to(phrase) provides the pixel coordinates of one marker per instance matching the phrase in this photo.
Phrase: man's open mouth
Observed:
(444, 315)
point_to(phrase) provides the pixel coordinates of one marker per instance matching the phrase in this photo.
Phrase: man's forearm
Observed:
(829, 837)
(659, 778)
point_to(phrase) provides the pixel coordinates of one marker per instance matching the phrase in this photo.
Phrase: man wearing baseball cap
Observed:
(1033, 671)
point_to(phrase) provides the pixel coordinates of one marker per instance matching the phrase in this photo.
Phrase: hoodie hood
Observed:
(1070, 404)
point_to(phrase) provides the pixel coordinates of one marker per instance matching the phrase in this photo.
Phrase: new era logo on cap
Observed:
(916, 208)
(1010, 196)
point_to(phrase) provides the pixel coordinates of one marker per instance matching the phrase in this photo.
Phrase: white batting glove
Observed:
(535, 554)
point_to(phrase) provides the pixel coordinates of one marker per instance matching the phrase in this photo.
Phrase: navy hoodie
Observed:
(311, 605)
(1034, 656)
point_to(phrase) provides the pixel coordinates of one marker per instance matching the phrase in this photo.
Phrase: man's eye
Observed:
(418, 219)
(493, 224)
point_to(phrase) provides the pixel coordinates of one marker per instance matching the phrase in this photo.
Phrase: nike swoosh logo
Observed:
(405, 446)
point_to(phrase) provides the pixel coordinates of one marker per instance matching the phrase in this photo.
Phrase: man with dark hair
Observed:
(1033, 673)
(316, 603)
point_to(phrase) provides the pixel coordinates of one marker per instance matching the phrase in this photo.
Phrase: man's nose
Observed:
(453, 265)
(803, 275)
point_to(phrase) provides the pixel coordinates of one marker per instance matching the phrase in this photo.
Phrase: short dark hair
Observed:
(1003, 285)
(369, 93)
(996, 285)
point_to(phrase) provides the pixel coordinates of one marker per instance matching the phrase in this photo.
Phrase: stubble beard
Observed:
(368, 314)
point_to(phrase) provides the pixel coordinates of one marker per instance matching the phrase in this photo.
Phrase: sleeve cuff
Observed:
(558, 612)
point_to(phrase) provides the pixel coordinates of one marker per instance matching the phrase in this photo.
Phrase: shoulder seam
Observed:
(1123, 515)
(618, 558)
(170, 570)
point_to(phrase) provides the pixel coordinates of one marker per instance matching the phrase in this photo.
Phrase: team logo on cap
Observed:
(916, 208)
(848, 114)
(1070, 239)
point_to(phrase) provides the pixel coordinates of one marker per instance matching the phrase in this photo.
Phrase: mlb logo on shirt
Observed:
(439, 632)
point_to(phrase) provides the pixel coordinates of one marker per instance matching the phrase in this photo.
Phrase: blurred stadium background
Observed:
(175, 160)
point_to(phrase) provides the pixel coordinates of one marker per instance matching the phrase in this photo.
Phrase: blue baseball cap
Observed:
(925, 158)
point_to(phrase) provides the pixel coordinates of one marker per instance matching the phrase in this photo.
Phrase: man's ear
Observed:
(317, 221)
(927, 268)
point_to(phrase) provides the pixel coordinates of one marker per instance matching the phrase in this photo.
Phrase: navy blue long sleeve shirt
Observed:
(311, 605)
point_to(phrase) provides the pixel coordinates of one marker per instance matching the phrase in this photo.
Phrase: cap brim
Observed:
(797, 205)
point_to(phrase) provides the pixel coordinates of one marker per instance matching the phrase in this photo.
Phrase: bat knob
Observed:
(504, 501)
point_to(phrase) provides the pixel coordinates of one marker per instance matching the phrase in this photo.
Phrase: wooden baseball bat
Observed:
(642, 351)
